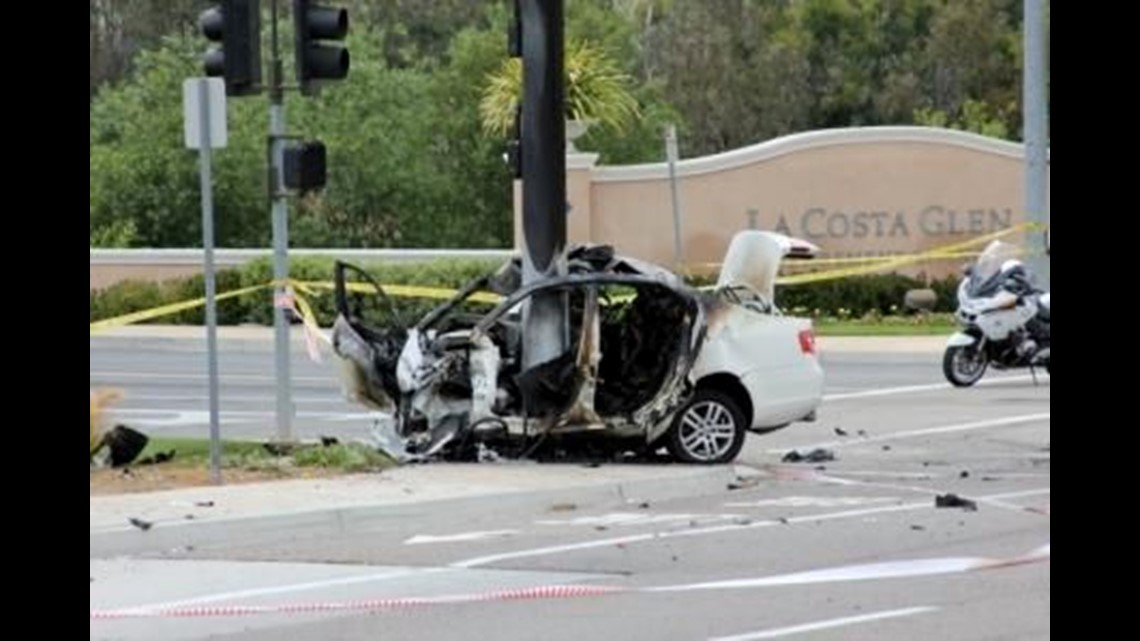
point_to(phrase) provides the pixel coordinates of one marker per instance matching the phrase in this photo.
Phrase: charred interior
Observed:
(456, 371)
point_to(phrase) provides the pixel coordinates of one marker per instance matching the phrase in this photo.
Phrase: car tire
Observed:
(707, 430)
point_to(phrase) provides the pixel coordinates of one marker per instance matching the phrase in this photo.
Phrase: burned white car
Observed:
(652, 363)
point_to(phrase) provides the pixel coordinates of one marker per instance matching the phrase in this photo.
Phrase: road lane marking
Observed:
(887, 570)
(716, 529)
(420, 539)
(102, 375)
(915, 389)
(826, 624)
(928, 431)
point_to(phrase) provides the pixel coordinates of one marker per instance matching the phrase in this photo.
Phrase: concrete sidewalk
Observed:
(254, 337)
(200, 516)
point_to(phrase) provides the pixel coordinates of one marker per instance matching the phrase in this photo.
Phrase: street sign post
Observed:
(204, 106)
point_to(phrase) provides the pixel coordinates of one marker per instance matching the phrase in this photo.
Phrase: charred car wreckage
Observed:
(652, 363)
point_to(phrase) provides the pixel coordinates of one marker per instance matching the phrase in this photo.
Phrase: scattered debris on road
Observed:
(964, 474)
(917, 528)
(839, 431)
(953, 500)
(141, 524)
(563, 507)
(204, 503)
(817, 455)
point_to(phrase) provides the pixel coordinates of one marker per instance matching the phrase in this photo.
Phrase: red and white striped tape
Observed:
(881, 570)
(541, 592)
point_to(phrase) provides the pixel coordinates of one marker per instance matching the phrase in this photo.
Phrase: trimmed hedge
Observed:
(855, 297)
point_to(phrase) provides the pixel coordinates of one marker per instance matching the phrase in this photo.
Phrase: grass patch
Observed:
(874, 325)
(250, 455)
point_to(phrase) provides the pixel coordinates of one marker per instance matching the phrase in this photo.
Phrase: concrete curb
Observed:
(265, 528)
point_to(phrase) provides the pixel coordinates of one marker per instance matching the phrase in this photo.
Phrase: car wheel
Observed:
(963, 366)
(709, 429)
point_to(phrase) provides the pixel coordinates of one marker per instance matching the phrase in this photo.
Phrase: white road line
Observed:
(159, 418)
(716, 529)
(202, 377)
(827, 624)
(284, 589)
(840, 480)
(267, 398)
(913, 389)
(945, 429)
(420, 539)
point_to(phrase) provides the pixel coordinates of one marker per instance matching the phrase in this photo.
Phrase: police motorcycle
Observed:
(1004, 319)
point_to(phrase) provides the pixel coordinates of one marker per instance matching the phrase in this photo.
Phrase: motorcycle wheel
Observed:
(963, 365)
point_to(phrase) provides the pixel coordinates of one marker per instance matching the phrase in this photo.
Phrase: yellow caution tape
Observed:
(166, 310)
(305, 310)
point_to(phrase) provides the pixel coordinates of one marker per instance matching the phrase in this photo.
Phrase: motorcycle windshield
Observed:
(985, 277)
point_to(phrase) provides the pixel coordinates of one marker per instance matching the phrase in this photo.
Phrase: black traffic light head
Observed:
(318, 61)
(236, 26)
(304, 166)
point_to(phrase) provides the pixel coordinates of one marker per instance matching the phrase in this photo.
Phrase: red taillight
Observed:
(807, 341)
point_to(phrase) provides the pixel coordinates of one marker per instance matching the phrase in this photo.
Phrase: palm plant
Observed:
(596, 92)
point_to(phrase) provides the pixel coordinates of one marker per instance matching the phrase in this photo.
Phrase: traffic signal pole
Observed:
(543, 151)
(280, 217)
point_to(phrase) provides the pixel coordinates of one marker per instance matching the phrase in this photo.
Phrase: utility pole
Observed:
(543, 157)
(1036, 136)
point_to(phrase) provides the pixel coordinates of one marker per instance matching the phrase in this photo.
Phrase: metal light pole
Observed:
(545, 326)
(280, 217)
(1036, 138)
(671, 155)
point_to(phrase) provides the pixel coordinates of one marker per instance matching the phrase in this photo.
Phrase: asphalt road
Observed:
(165, 386)
(847, 549)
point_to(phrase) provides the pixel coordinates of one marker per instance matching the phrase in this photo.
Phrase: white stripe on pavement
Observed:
(928, 431)
(912, 389)
(826, 624)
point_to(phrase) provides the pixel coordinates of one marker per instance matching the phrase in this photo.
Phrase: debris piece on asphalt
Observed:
(917, 528)
(600, 528)
(329, 441)
(953, 500)
(124, 444)
(189, 517)
(964, 474)
(563, 507)
(742, 483)
(840, 431)
(886, 448)
(141, 524)
(784, 520)
(644, 505)
(204, 503)
(817, 455)
(862, 433)
(990, 478)
(674, 560)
